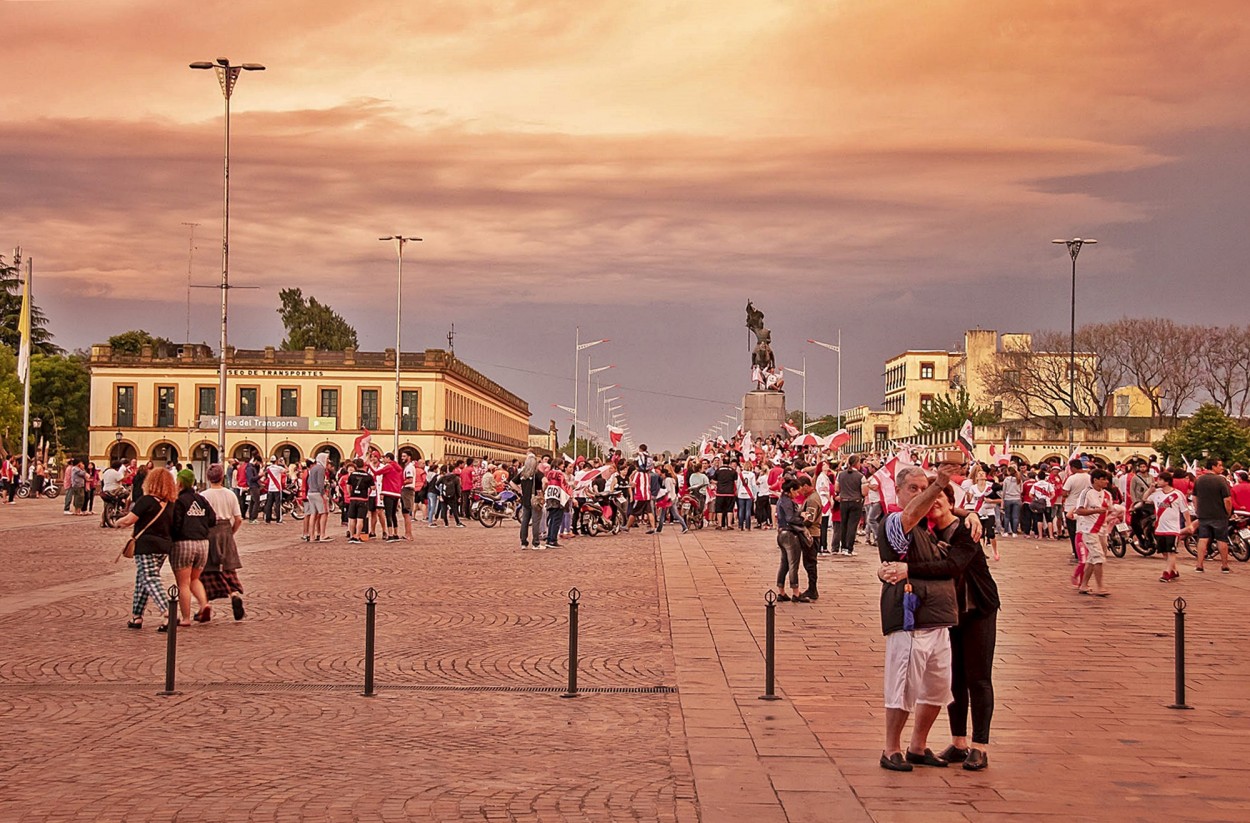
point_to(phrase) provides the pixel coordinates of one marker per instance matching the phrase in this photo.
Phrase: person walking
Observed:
(152, 518)
(1172, 520)
(1213, 506)
(220, 576)
(555, 500)
(254, 474)
(850, 502)
(194, 518)
(275, 483)
(1012, 501)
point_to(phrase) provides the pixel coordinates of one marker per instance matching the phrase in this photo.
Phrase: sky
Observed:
(892, 169)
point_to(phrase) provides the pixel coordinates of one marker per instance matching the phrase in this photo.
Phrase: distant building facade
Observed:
(162, 405)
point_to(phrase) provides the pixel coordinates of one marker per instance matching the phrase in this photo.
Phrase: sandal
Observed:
(135, 624)
(205, 615)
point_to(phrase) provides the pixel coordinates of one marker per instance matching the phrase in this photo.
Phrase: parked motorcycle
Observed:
(50, 489)
(490, 510)
(1238, 539)
(691, 510)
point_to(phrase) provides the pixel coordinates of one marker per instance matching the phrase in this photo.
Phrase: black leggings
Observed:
(389, 504)
(972, 662)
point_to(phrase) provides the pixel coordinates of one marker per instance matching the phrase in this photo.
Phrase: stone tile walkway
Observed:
(468, 724)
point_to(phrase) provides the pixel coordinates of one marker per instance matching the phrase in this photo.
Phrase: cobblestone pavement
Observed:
(472, 635)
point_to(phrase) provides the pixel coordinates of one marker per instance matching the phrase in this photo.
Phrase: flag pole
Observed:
(30, 271)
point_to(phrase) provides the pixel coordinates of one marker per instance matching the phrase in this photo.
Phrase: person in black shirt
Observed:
(726, 480)
(529, 487)
(359, 485)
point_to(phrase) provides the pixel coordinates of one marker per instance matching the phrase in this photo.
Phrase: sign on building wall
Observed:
(252, 423)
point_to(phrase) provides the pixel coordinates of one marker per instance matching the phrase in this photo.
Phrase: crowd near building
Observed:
(161, 405)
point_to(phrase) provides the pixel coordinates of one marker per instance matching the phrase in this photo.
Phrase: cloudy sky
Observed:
(891, 168)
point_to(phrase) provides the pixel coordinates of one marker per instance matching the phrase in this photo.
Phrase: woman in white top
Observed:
(746, 490)
(221, 574)
(824, 490)
(763, 504)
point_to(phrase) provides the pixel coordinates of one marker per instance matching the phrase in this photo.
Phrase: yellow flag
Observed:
(23, 329)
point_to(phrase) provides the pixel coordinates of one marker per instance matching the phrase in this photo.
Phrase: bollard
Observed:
(171, 642)
(371, 608)
(574, 596)
(770, 645)
(1179, 605)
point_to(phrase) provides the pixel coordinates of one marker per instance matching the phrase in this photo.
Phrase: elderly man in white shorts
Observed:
(917, 658)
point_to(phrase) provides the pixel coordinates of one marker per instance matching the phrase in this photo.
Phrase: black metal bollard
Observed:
(574, 596)
(171, 642)
(1179, 605)
(371, 608)
(770, 646)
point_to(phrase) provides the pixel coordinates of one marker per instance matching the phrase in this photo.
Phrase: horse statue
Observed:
(762, 356)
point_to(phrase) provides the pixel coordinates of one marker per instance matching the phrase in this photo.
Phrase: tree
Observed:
(1208, 433)
(132, 342)
(1224, 373)
(310, 323)
(948, 412)
(11, 279)
(822, 426)
(10, 403)
(60, 394)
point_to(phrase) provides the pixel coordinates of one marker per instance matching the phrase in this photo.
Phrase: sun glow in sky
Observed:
(894, 169)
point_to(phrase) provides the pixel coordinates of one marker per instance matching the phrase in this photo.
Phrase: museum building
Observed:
(161, 405)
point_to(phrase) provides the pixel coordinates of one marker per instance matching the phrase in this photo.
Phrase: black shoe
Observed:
(895, 763)
(810, 595)
(977, 760)
(803, 598)
(954, 754)
(236, 606)
(783, 598)
(926, 759)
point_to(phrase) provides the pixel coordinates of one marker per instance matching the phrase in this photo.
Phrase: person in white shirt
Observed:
(1090, 510)
(1172, 520)
(274, 482)
(1077, 482)
(221, 574)
(745, 488)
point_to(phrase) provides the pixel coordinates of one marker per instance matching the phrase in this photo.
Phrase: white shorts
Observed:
(918, 669)
(1089, 548)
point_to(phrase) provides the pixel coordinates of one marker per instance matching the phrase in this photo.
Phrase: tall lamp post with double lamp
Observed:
(835, 348)
(1074, 249)
(578, 348)
(400, 242)
(802, 373)
(227, 77)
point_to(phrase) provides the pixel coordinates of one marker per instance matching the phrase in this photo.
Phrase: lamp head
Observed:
(252, 67)
(223, 61)
(201, 65)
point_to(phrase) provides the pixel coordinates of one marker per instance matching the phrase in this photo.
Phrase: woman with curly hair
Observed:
(152, 517)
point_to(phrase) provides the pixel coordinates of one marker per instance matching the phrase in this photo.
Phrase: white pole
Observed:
(399, 311)
(30, 295)
(838, 414)
(590, 426)
(805, 394)
(577, 352)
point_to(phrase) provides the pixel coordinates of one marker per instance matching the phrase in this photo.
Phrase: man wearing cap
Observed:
(315, 506)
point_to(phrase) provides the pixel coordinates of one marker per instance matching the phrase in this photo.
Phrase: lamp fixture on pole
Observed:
(400, 242)
(1074, 249)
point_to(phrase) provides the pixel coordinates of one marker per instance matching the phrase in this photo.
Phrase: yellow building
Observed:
(162, 405)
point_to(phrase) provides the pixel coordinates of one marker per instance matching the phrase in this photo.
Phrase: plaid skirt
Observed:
(219, 585)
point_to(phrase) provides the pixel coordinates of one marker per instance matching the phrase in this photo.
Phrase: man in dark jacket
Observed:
(253, 488)
(917, 656)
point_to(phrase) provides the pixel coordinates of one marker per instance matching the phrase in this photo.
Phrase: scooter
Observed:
(490, 510)
(691, 511)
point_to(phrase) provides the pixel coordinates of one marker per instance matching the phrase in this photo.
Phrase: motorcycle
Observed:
(1238, 539)
(599, 514)
(692, 510)
(50, 489)
(490, 510)
(291, 505)
(115, 507)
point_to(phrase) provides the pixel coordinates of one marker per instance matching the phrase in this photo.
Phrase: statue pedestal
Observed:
(763, 413)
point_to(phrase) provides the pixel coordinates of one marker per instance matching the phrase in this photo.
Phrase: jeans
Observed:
(1011, 515)
(670, 512)
(273, 507)
(253, 508)
(822, 543)
(744, 513)
(530, 524)
(972, 662)
(852, 510)
(554, 518)
(872, 518)
(791, 556)
(431, 506)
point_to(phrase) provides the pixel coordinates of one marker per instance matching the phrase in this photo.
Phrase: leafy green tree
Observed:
(10, 403)
(948, 413)
(821, 426)
(310, 323)
(11, 311)
(1209, 432)
(60, 394)
(132, 342)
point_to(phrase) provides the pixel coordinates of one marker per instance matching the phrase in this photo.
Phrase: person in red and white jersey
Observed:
(1091, 510)
(1172, 520)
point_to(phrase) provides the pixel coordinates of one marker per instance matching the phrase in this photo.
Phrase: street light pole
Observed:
(400, 241)
(803, 373)
(835, 348)
(1074, 249)
(578, 346)
(227, 77)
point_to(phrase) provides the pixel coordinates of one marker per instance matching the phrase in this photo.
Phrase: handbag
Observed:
(129, 549)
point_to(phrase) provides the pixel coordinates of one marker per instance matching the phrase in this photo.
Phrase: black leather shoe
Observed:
(926, 759)
(811, 595)
(977, 760)
(803, 598)
(895, 763)
(954, 754)
(783, 598)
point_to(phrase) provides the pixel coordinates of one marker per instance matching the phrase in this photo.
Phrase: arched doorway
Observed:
(202, 455)
(336, 456)
(245, 451)
(123, 450)
(289, 453)
(164, 453)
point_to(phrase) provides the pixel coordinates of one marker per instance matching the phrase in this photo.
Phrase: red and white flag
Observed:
(1005, 457)
(790, 430)
(361, 447)
(615, 435)
(964, 440)
(748, 448)
(837, 440)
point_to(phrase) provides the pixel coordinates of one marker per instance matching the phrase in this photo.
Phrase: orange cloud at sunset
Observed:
(607, 153)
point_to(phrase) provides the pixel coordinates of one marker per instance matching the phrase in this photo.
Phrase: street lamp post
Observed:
(802, 373)
(227, 77)
(400, 242)
(590, 406)
(1074, 249)
(578, 347)
(835, 348)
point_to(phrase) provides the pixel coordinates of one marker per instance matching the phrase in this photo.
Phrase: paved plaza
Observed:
(468, 723)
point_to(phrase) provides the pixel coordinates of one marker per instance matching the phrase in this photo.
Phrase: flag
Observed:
(705, 448)
(964, 441)
(790, 430)
(615, 435)
(837, 440)
(748, 448)
(885, 483)
(1005, 457)
(23, 329)
(361, 447)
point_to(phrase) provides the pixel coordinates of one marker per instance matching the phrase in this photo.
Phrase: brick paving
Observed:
(471, 655)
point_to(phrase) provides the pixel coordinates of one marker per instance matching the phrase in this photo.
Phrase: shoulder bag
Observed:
(129, 549)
